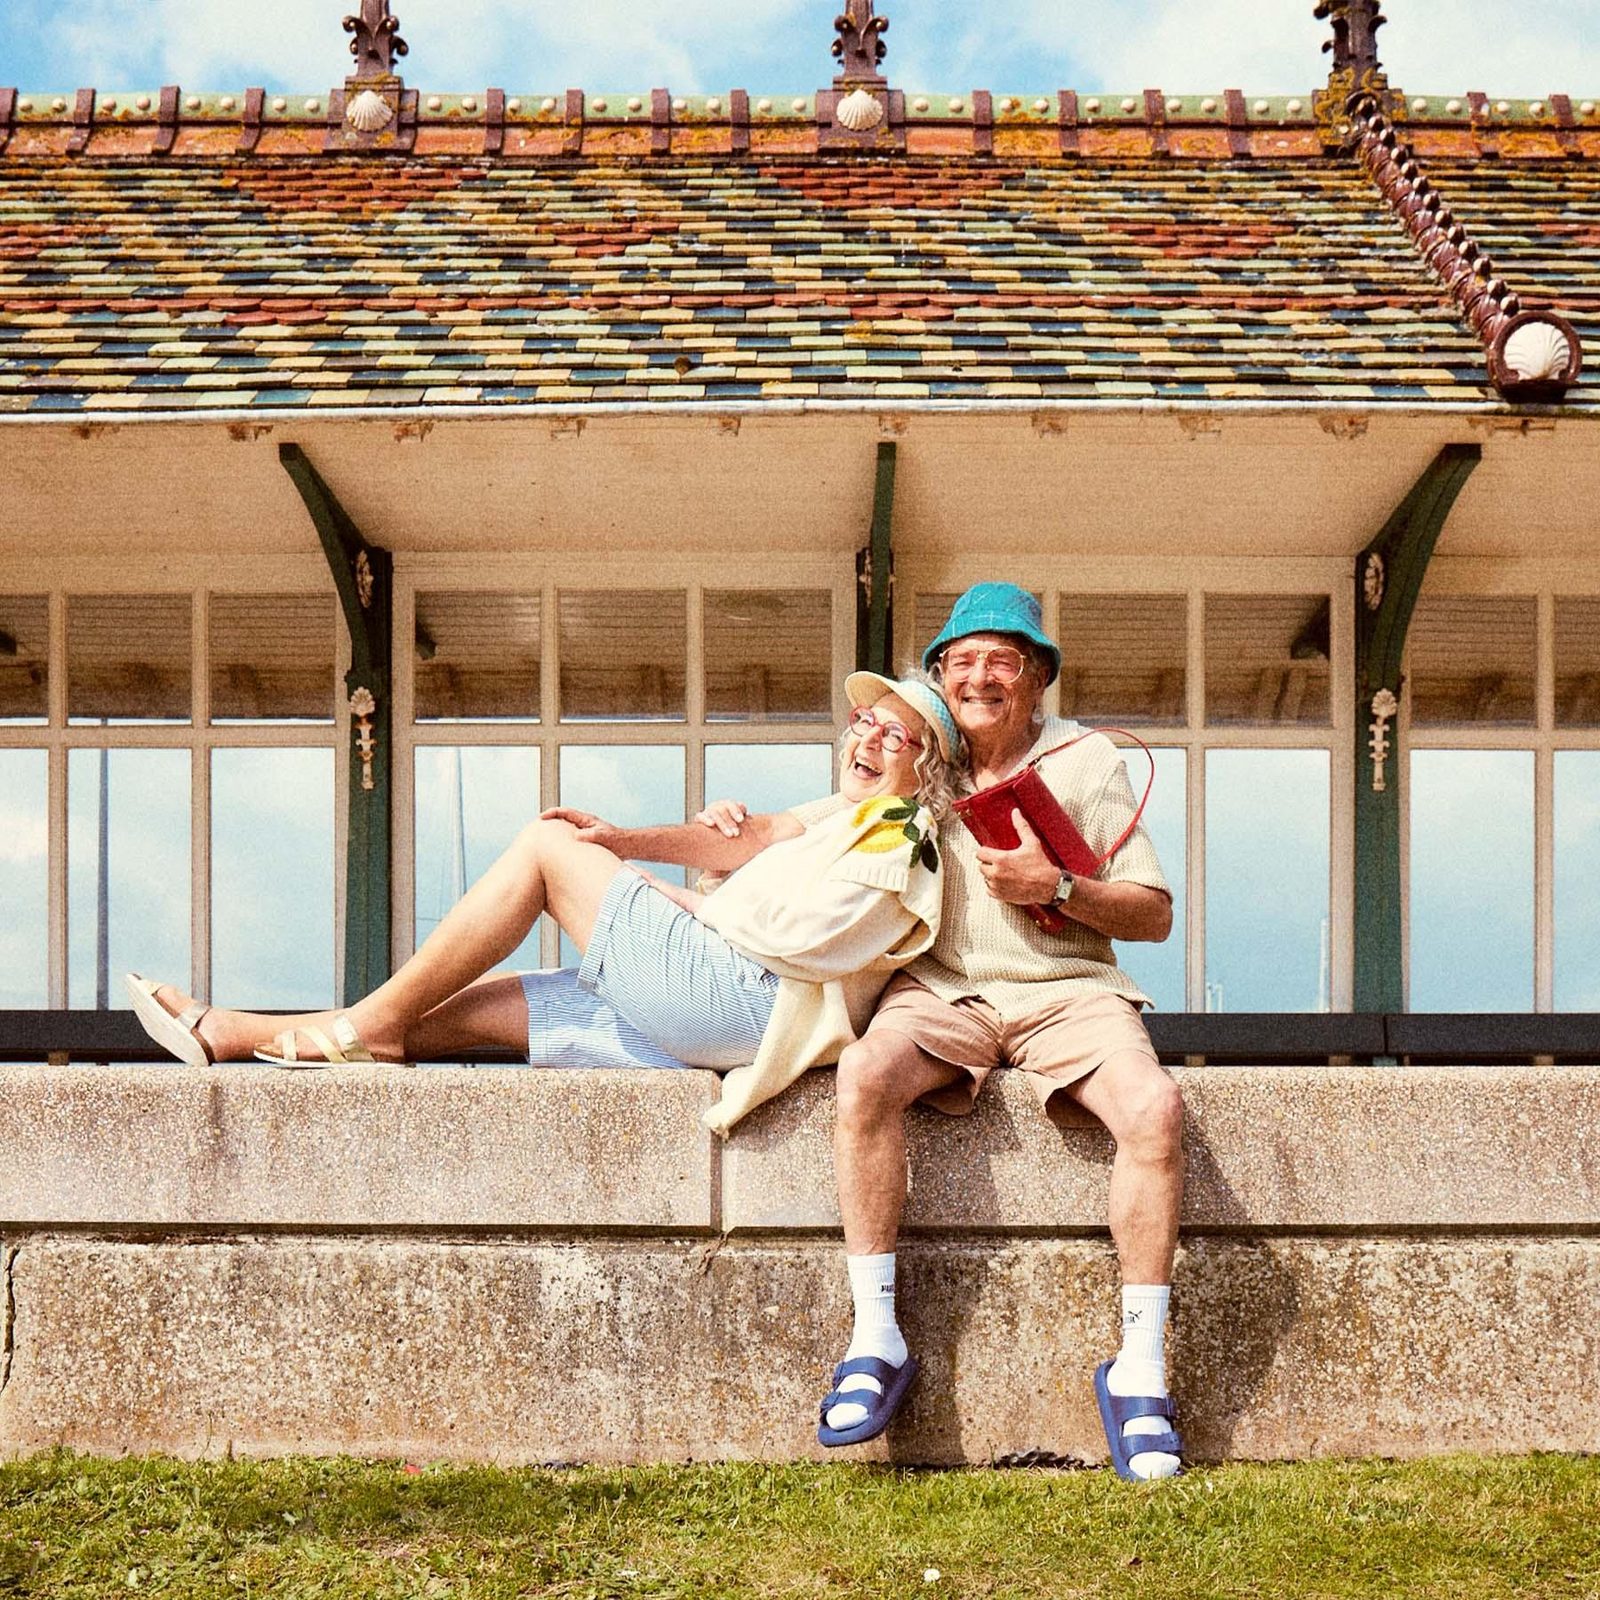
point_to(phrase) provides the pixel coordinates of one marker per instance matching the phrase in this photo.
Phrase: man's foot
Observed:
(881, 1384)
(1137, 1415)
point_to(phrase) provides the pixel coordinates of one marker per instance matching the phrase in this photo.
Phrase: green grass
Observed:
(1465, 1528)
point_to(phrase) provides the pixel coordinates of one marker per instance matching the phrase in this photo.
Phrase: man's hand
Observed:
(1025, 876)
(591, 829)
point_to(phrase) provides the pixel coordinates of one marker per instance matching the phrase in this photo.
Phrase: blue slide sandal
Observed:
(1116, 1410)
(881, 1408)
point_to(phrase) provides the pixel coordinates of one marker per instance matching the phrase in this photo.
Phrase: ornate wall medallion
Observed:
(1372, 581)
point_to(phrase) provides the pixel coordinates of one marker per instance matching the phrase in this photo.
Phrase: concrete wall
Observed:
(543, 1266)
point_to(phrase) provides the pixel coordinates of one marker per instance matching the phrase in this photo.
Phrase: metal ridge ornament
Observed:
(1533, 356)
(376, 40)
(860, 46)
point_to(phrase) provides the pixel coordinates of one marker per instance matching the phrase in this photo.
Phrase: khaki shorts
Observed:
(1054, 1046)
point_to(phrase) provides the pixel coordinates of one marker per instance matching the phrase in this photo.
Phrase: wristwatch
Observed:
(1063, 889)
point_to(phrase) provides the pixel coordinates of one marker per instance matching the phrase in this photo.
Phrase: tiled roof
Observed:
(222, 282)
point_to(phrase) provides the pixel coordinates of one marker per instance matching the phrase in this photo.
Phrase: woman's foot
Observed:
(334, 1043)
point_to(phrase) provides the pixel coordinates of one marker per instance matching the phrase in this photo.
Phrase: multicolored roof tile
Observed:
(1200, 250)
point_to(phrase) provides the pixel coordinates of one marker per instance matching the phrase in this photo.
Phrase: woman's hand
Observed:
(728, 817)
(675, 892)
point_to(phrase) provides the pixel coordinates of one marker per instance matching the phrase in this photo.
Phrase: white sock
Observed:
(876, 1333)
(1141, 1369)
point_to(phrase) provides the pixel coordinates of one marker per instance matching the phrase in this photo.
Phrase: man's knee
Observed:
(1146, 1109)
(873, 1077)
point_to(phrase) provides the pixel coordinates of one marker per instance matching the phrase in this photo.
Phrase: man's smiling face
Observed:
(991, 712)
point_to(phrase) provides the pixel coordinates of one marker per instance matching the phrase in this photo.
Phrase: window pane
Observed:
(1578, 662)
(478, 656)
(623, 655)
(769, 777)
(1124, 657)
(272, 878)
(272, 657)
(1577, 880)
(24, 880)
(634, 786)
(24, 658)
(1267, 827)
(128, 657)
(470, 804)
(1159, 969)
(1471, 659)
(1267, 659)
(132, 877)
(769, 655)
(1471, 880)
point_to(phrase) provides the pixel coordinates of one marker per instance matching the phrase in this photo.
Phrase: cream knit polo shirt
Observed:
(996, 951)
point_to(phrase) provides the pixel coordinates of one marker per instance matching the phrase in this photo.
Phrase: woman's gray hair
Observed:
(939, 781)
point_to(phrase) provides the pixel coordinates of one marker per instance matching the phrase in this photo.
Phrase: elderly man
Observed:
(998, 989)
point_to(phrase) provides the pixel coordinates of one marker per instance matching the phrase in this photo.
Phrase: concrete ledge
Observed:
(237, 1146)
(1287, 1147)
(644, 1350)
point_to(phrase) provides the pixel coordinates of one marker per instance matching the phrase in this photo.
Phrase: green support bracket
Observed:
(875, 576)
(364, 577)
(1388, 578)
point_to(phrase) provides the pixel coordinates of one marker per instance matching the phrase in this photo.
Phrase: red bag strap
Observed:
(1127, 833)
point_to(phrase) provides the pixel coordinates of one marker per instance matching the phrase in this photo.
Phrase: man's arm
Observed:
(1026, 876)
(687, 844)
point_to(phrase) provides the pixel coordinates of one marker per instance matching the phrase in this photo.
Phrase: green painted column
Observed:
(875, 576)
(1388, 578)
(364, 577)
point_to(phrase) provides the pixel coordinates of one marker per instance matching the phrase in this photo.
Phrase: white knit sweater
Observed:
(834, 913)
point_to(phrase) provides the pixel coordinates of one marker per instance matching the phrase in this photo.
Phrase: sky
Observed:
(1516, 48)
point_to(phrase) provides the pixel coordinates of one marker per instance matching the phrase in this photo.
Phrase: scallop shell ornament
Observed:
(860, 112)
(1537, 350)
(369, 112)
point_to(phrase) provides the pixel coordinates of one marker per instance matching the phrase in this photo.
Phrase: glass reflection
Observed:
(1160, 969)
(1471, 880)
(128, 895)
(768, 655)
(24, 658)
(1470, 659)
(624, 655)
(272, 889)
(271, 657)
(1578, 661)
(634, 786)
(24, 879)
(1577, 803)
(129, 658)
(770, 777)
(1124, 658)
(1267, 658)
(1267, 837)
(478, 656)
(471, 802)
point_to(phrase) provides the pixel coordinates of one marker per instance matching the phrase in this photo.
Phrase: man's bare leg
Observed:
(546, 868)
(1143, 1110)
(879, 1079)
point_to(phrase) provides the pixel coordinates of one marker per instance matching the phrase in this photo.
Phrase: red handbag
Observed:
(987, 814)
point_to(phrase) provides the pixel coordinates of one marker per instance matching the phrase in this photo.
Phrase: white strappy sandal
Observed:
(340, 1046)
(178, 1033)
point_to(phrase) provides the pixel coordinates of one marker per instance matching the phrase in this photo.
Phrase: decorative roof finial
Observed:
(377, 40)
(859, 47)
(1354, 43)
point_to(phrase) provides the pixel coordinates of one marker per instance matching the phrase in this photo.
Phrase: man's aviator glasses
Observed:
(896, 736)
(1005, 663)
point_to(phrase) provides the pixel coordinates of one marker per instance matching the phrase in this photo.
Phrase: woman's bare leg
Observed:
(546, 868)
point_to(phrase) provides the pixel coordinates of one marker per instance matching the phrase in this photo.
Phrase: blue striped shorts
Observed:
(657, 988)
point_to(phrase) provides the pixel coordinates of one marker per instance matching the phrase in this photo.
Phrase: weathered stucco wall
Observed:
(525, 1266)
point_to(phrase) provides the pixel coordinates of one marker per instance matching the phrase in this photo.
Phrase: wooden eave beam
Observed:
(1388, 579)
(875, 574)
(363, 574)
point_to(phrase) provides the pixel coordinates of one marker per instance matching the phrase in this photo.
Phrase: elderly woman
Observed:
(775, 971)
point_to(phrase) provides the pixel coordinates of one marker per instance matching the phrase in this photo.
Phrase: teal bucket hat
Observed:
(995, 608)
